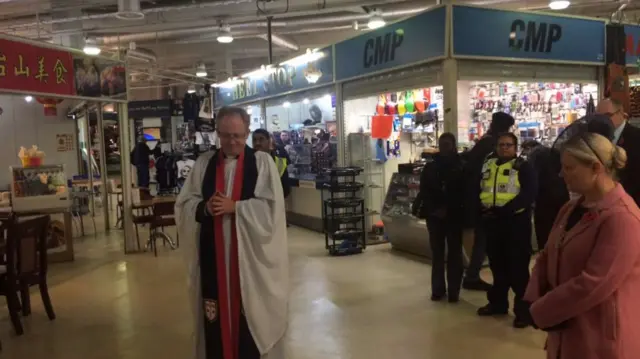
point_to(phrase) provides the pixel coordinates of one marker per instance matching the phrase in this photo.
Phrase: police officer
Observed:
(508, 189)
(262, 142)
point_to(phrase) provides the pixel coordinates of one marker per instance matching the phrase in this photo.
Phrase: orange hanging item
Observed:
(50, 105)
(420, 104)
(381, 126)
(382, 103)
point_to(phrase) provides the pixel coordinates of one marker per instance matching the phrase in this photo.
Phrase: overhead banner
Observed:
(24, 67)
(407, 42)
(284, 79)
(46, 70)
(632, 33)
(488, 33)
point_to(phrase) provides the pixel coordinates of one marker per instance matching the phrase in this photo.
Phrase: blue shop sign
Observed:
(406, 42)
(489, 33)
(284, 79)
(632, 33)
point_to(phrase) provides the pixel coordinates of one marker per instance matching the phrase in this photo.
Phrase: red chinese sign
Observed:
(25, 67)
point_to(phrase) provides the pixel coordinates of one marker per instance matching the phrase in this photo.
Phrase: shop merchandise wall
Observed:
(24, 124)
(283, 115)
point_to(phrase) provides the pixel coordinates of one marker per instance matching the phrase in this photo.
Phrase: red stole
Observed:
(229, 319)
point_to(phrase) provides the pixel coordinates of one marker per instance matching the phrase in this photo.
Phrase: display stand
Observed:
(343, 214)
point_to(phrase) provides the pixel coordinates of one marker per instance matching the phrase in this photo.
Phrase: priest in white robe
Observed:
(231, 217)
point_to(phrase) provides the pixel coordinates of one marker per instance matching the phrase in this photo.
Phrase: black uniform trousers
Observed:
(509, 252)
(445, 235)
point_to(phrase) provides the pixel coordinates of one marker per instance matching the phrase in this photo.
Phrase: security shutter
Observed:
(474, 70)
(405, 79)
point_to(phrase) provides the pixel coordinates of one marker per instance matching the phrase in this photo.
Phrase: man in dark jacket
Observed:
(262, 142)
(140, 159)
(552, 191)
(507, 190)
(440, 202)
(627, 137)
(500, 123)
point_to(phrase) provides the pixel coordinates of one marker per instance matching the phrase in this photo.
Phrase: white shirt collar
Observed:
(618, 132)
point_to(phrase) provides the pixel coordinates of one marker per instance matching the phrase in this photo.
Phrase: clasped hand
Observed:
(220, 204)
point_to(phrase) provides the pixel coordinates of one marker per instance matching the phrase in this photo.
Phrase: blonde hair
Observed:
(589, 148)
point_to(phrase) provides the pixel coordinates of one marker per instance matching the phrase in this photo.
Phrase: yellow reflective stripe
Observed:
(281, 164)
(497, 188)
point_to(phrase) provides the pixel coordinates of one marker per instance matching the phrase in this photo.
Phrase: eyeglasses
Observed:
(584, 139)
(506, 145)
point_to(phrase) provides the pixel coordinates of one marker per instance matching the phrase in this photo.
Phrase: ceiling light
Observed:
(305, 101)
(249, 110)
(327, 97)
(90, 47)
(28, 98)
(224, 35)
(309, 56)
(559, 4)
(201, 71)
(286, 104)
(376, 22)
(191, 89)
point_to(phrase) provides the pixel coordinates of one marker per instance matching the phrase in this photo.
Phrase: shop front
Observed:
(632, 34)
(39, 83)
(544, 70)
(295, 102)
(398, 81)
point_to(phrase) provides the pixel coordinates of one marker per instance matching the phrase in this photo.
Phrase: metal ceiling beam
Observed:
(281, 41)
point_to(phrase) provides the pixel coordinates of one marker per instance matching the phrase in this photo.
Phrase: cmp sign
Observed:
(489, 33)
(415, 40)
(531, 36)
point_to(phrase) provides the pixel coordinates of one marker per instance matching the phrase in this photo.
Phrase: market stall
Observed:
(39, 175)
(545, 70)
(400, 84)
(296, 103)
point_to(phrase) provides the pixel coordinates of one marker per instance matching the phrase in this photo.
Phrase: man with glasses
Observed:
(508, 189)
(231, 214)
(627, 137)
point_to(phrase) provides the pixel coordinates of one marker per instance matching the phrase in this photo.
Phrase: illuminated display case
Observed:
(39, 188)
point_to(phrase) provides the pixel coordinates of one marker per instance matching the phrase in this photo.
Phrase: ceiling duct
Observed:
(129, 10)
(281, 41)
(142, 54)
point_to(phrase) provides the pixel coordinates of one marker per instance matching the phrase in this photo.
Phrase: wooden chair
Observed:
(142, 216)
(25, 266)
(163, 216)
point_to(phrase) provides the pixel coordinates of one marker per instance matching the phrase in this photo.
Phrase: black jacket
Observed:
(442, 186)
(286, 184)
(630, 175)
(474, 159)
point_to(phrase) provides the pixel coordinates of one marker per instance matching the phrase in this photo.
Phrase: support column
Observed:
(103, 169)
(87, 139)
(228, 65)
(130, 244)
(450, 94)
(340, 128)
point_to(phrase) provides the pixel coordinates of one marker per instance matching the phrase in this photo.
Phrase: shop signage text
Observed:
(24, 67)
(407, 42)
(152, 108)
(531, 36)
(282, 79)
(382, 48)
(489, 33)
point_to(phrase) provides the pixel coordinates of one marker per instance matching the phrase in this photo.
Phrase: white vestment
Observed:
(262, 252)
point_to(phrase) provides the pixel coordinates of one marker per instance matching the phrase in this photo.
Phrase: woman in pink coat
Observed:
(585, 287)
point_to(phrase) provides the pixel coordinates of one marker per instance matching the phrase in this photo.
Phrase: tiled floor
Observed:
(374, 305)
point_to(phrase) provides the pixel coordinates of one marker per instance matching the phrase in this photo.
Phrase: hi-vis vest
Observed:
(499, 183)
(281, 164)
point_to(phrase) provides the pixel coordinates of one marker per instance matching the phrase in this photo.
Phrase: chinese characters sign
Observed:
(24, 67)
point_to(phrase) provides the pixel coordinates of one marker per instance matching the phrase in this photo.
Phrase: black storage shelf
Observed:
(343, 187)
(348, 202)
(343, 213)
